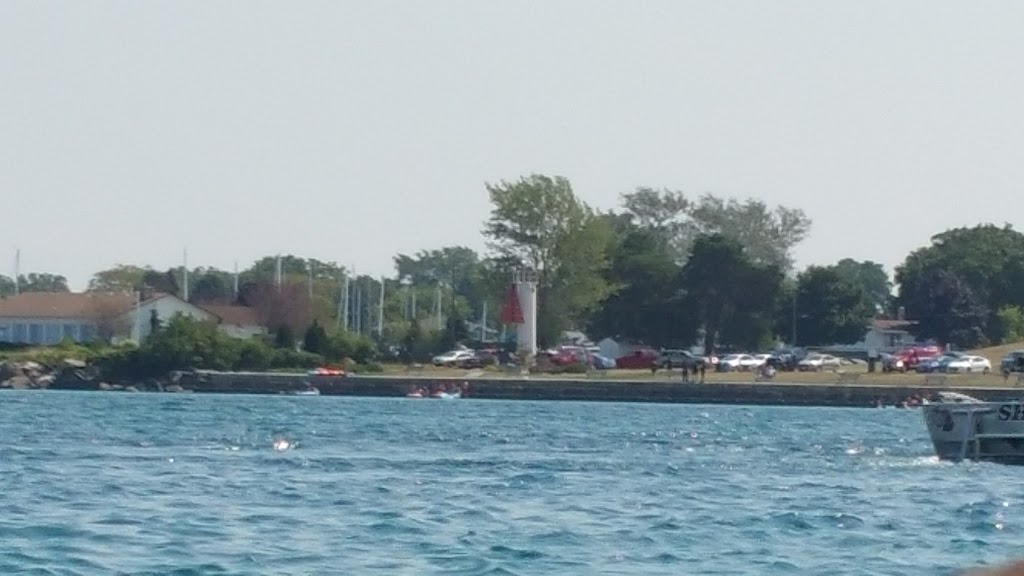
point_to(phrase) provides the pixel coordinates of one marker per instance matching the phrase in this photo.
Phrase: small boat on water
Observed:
(307, 391)
(962, 427)
(447, 395)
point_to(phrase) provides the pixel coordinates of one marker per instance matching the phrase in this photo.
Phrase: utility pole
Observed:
(236, 279)
(380, 310)
(278, 273)
(343, 302)
(483, 324)
(437, 305)
(17, 271)
(359, 308)
(309, 280)
(184, 274)
(792, 335)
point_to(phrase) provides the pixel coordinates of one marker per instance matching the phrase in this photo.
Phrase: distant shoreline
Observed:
(775, 393)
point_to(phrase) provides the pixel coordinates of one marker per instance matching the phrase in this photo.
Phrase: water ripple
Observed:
(161, 484)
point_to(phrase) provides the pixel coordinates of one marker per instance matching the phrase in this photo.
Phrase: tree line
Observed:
(663, 268)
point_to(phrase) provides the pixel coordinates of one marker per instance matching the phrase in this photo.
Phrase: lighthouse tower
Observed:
(520, 309)
(526, 333)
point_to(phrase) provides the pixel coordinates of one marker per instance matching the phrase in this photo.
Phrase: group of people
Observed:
(912, 401)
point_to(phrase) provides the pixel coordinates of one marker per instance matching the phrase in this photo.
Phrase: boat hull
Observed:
(983, 431)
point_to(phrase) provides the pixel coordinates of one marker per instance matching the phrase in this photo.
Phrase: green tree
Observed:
(284, 337)
(166, 282)
(42, 283)
(644, 306)
(988, 260)
(767, 234)
(211, 286)
(1011, 324)
(6, 286)
(947, 309)
(538, 222)
(315, 339)
(833, 307)
(872, 278)
(731, 298)
(663, 213)
(120, 278)
(454, 332)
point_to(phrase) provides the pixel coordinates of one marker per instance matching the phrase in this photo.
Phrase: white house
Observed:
(881, 336)
(49, 317)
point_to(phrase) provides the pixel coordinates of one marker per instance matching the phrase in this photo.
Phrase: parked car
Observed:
(668, 359)
(909, 357)
(641, 359)
(1012, 362)
(481, 358)
(600, 362)
(737, 362)
(969, 364)
(452, 358)
(819, 362)
(938, 363)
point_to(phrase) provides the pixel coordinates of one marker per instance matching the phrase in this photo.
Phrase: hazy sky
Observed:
(350, 131)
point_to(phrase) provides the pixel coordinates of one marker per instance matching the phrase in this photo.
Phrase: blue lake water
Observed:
(107, 483)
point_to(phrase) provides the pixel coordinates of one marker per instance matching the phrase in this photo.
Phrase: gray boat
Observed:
(965, 428)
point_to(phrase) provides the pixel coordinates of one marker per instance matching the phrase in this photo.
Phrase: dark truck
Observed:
(668, 359)
(1012, 362)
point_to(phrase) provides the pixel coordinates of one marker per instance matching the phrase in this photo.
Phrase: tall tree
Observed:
(731, 298)
(872, 278)
(767, 234)
(833, 307)
(539, 223)
(947, 309)
(644, 306)
(988, 260)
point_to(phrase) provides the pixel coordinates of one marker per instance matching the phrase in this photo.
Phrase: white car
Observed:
(969, 364)
(737, 362)
(761, 359)
(452, 358)
(819, 362)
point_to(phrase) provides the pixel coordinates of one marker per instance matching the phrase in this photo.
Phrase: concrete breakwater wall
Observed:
(512, 388)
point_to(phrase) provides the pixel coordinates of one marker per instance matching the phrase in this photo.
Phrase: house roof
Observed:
(879, 324)
(60, 305)
(231, 314)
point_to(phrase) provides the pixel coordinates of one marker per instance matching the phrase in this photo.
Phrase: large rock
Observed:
(9, 370)
(44, 381)
(19, 382)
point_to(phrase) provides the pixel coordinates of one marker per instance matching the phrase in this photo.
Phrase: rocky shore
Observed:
(72, 374)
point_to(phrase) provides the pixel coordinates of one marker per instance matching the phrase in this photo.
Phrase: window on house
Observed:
(70, 331)
(20, 334)
(87, 332)
(5, 333)
(52, 333)
(35, 333)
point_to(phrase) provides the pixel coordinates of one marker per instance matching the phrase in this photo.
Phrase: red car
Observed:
(641, 359)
